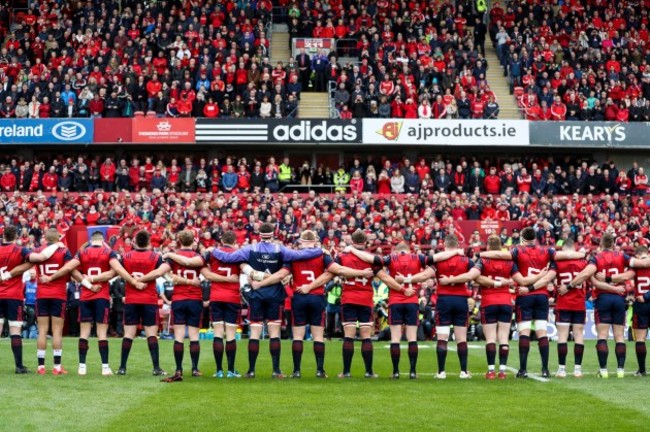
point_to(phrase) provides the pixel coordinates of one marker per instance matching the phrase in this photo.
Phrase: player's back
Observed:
(11, 256)
(56, 289)
(406, 264)
(453, 266)
(641, 281)
(227, 292)
(138, 263)
(307, 271)
(93, 261)
(357, 290)
(567, 270)
(186, 292)
(531, 261)
(611, 263)
(497, 270)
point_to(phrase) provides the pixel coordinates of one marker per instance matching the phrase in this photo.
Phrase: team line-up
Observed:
(526, 272)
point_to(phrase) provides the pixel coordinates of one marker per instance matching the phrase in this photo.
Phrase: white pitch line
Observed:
(530, 375)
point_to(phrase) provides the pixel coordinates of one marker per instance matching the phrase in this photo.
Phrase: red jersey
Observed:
(56, 289)
(567, 270)
(407, 264)
(641, 281)
(531, 260)
(11, 256)
(611, 263)
(138, 263)
(94, 260)
(306, 271)
(224, 292)
(357, 291)
(453, 266)
(187, 292)
(497, 270)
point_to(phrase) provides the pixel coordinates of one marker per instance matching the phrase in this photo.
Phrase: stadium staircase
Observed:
(499, 85)
(312, 105)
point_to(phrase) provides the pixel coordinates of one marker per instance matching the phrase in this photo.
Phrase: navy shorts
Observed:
(610, 309)
(641, 316)
(187, 312)
(532, 307)
(352, 313)
(570, 317)
(452, 310)
(224, 312)
(145, 314)
(260, 310)
(496, 313)
(308, 309)
(97, 311)
(50, 308)
(11, 310)
(404, 314)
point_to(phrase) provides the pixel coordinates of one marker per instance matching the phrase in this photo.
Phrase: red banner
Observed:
(163, 130)
(113, 130)
(485, 228)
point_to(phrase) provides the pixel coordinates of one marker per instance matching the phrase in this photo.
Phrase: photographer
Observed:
(333, 293)
(30, 330)
(117, 287)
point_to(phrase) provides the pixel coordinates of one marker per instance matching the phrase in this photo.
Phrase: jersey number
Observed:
(187, 274)
(567, 277)
(309, 275)
(643, 284)
(48, 269)
(225, 270)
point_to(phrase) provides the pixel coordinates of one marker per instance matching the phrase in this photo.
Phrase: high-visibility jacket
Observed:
(285, 173)
(341, 179)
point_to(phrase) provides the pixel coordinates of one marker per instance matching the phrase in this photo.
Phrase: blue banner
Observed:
(46, 131)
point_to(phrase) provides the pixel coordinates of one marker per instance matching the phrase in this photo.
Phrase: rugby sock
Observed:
(40, 354)
(319, 352)
(394, 356)
(491, 354)
(641, 352)
(620, 351)
(603, 352)
(524, 347)
(296, 350)
(504, 350)
(462, 355)
(366, 353)
(195, 353)
(57, 354)
(544, 350)
(348, 353)
(179, 347)
(152, 341)
(126, 349)
(83, 350)
(274, 349)
(578, 351)
(231, 351)
(413, 355)
(441, 351)
(562, 350)
(103, 351)
(17, 350)
(253, 351)
(217, 349)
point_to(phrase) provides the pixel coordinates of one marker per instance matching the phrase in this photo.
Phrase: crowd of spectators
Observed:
(163, 58)
(575, 60)
(564, 198)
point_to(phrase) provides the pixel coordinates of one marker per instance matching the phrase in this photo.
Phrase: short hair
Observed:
(267, 229)
(568, 243)
(402, 246)
(10, 233)
(186, 238)
(52, 235)
(359, 237)
(641, 250)
(608, 240)
(142, 239)
(228, 238)
(528, 234)
(308, 236)
(97, 235)
(494, 242)
(451, 240)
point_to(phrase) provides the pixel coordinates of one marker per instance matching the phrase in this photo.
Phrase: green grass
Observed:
(139, 402)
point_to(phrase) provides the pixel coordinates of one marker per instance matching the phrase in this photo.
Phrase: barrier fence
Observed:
(324, 131)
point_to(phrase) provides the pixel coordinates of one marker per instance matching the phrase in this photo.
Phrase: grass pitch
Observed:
(140, 402)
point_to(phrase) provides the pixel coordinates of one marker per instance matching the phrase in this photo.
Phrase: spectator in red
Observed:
(524, 181)
(243, 179)
(8, 181)
(558, 109)
(96, 106)
(640, 182)
(50, 180)
(492, 182)
(211, 109)
(611, 110)
(107, 175)
(356, 183)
